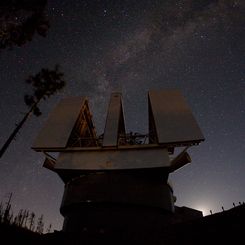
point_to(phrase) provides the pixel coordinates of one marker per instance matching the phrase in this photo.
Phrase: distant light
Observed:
(205, 210)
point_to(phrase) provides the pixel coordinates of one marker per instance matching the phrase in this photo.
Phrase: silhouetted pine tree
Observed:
(49, 228)
(40, 225)
(11, 217)
(1, 212)
(32, 221)
(44, 84)
(7, 215)
(15, 220)
(25, 217)
(20, 218)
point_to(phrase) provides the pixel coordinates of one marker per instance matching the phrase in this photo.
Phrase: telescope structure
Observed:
(118, 182)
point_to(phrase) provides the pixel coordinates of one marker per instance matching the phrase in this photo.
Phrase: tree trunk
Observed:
(16, 130)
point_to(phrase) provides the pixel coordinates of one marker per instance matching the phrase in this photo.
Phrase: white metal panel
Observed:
(114, 115)
(57, 129)
(174, 121)
(113, 159)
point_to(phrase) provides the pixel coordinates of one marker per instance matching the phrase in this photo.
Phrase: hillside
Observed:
(226, 227)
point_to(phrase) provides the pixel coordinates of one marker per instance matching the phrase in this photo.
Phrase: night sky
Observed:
(131, 46)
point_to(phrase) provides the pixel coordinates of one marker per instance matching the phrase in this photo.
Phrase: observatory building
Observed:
(118, 182)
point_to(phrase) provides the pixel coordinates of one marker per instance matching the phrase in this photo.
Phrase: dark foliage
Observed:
(20, 20)
(45, 83)
(24, 219)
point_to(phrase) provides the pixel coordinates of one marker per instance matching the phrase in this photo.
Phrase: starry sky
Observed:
(132, 46)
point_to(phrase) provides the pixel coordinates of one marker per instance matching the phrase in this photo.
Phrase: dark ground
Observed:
(222, 228)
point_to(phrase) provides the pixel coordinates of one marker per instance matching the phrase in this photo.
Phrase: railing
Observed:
(123, 139)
